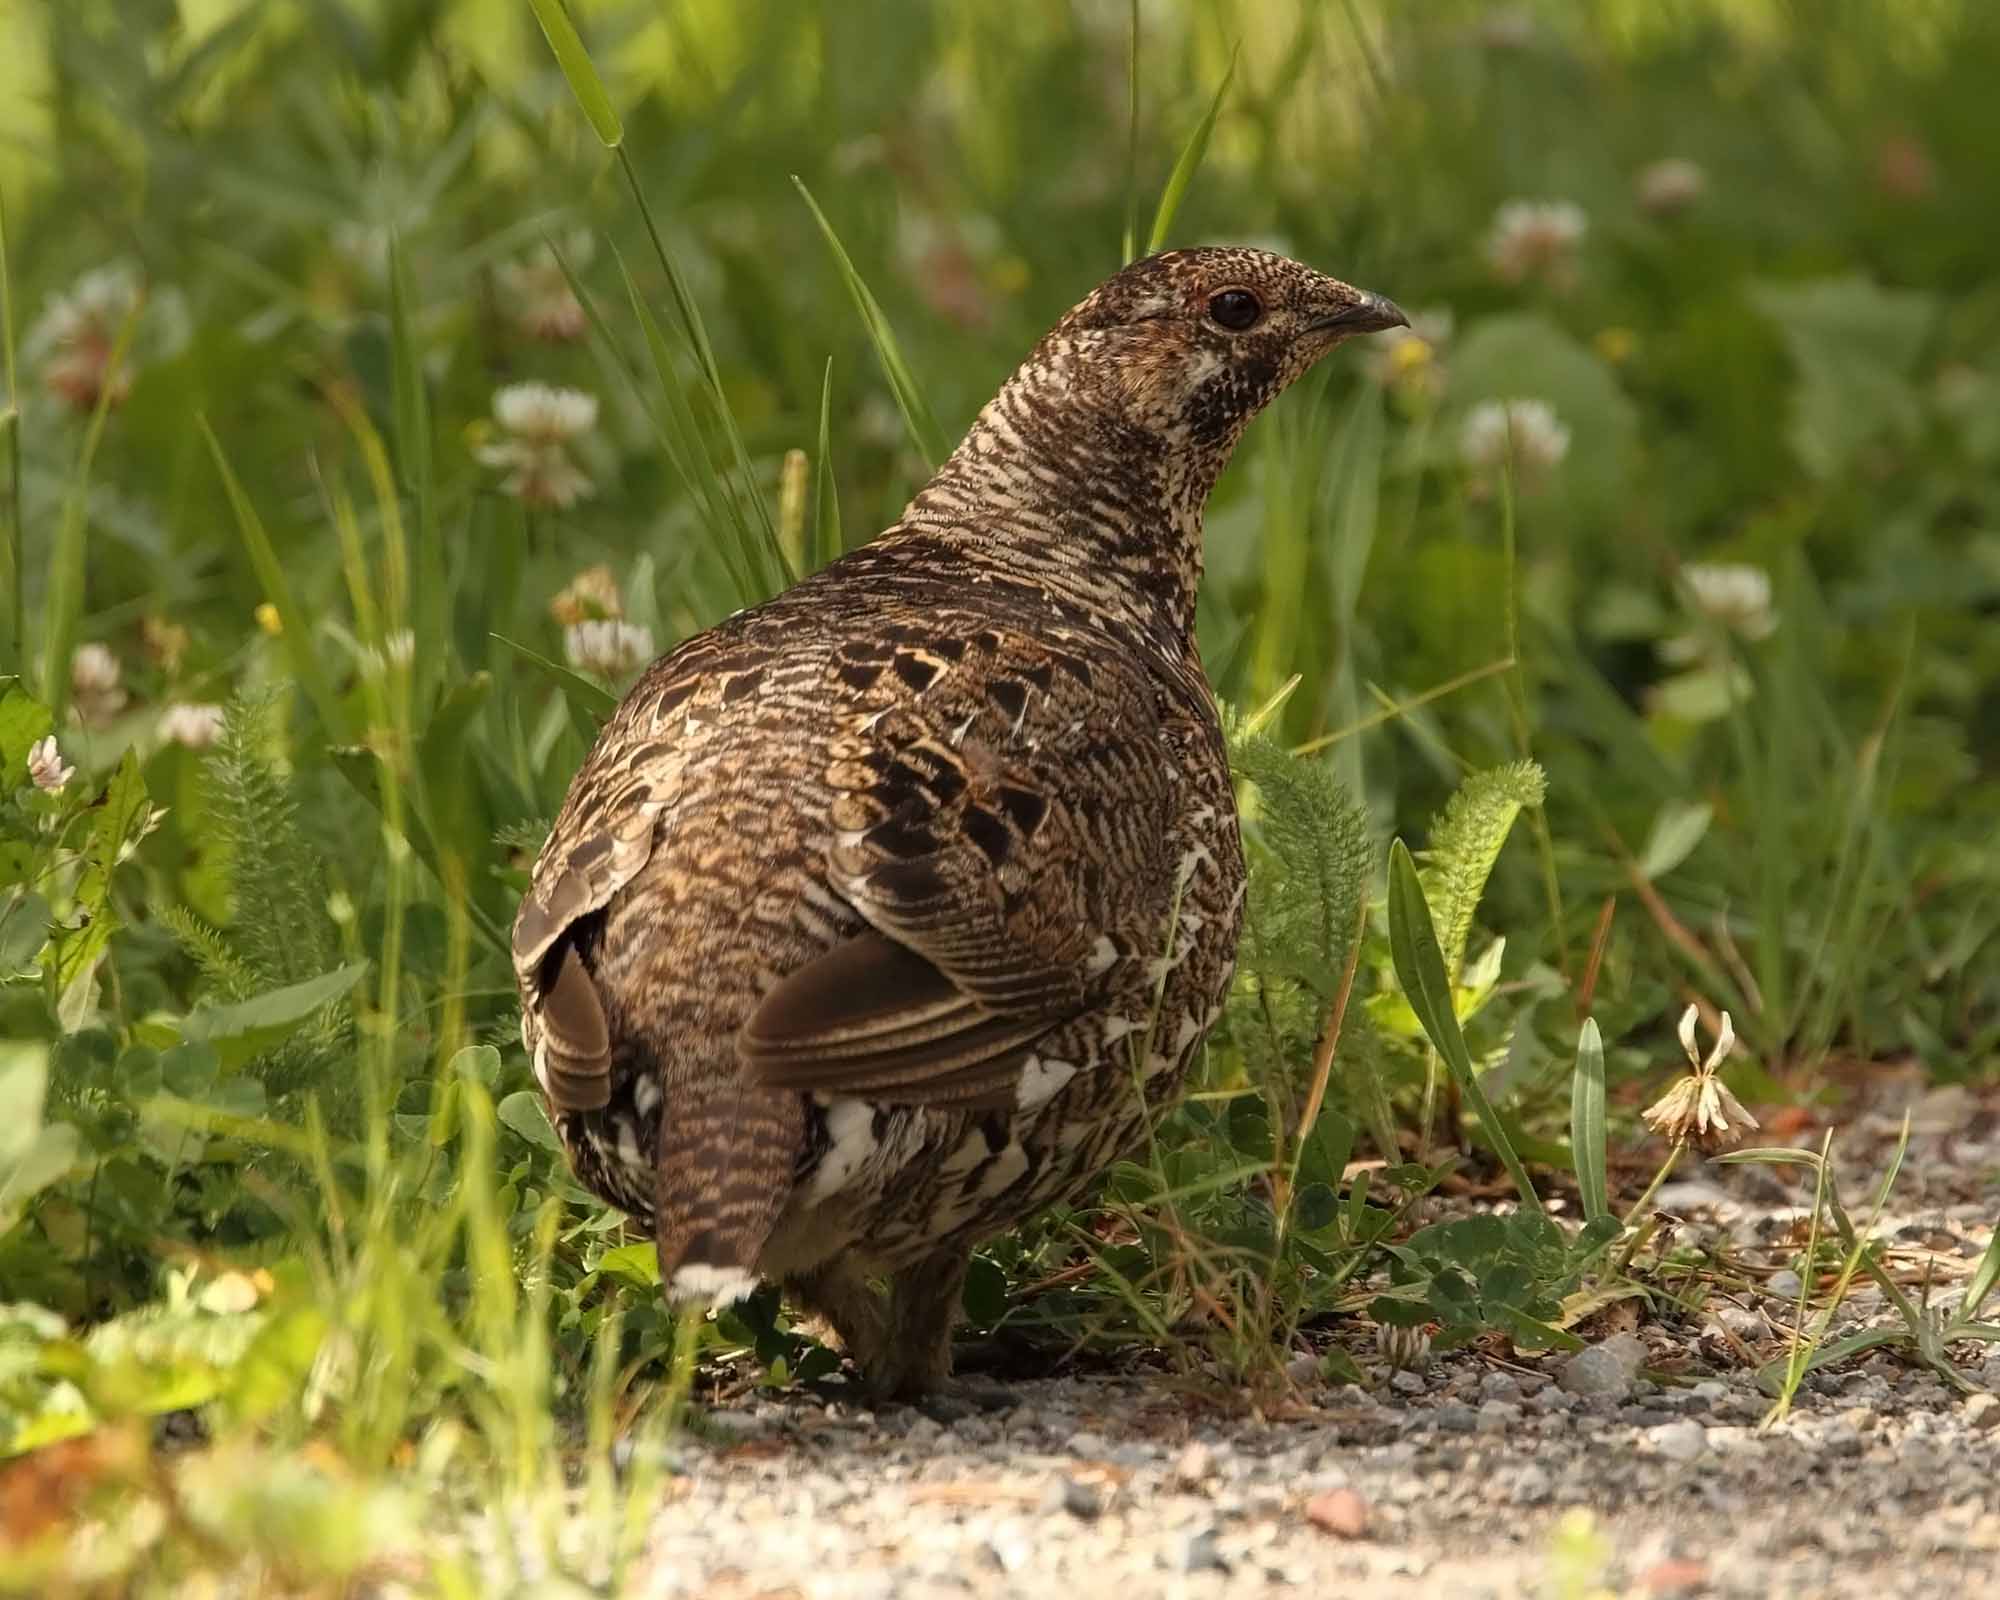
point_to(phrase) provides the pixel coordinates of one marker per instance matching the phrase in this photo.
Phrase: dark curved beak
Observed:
(1367, 313)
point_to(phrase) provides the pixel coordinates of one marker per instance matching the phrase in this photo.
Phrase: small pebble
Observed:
(1203, 1555)
(1497, 1416)
(1499, 1386)
(1604, 1370)
(1194, 1464)
(1683, 1440)
(1080, 1500)
(1340, 1512)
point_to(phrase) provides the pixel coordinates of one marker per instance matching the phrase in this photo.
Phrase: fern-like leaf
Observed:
(1466, 841)
(1310, 857)
(278, 923)
(221, 967)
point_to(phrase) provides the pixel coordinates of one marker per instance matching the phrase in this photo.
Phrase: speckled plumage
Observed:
(873, 907)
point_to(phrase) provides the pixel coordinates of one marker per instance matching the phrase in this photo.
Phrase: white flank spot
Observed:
(850, 1126)
(1189, 1031)
(541, 1064)
(646, 1096)
(1194, 856)
(628, 1145)
(1040, 1080)
(1116, 1028)
(718, 1286)
(1103, 956)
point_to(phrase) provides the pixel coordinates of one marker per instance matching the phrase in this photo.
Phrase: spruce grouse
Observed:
(875, 909)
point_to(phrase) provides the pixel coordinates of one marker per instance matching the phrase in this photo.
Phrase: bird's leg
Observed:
(840, 1296)
(923, 1307)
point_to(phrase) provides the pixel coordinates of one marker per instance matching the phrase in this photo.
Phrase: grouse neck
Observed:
(1061, 484)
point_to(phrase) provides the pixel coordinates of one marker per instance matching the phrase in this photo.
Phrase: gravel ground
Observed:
(1636, 1467)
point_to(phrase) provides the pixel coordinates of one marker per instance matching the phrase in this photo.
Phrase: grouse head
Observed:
(1191, 344)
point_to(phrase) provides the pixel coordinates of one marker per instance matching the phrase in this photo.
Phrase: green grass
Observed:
(268, 1145)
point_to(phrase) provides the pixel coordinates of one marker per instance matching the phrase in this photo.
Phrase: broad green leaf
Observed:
(247, 1028)
(32, 1156)
(23, 721)
(985, 1294)
(119, 823)
(272, 1373)
(636, 1264)
(24, 929)
(524, 1113)
(1680, 826)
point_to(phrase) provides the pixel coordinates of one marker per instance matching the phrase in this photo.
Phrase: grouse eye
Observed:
(1235, 309)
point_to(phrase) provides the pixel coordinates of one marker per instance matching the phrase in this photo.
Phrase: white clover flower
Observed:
(96, 693)
(1530, 428)
(541, 413)
(535, 295)
(76, 335)
(1403, 1349)
(1732, 593)
(608, 648)
(1536, 239)
(538, 422)
(46, 768)
(1699, 1107)
(591, 596)
(193, 724)
(1669, 187)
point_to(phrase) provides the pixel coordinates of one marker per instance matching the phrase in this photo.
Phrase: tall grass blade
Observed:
(680, 433)
(828, 540)
(579, 72)
(1192, 155)
(923, 427)
(1128, 246)
(63, 604)
(1586, 1123)
(1517, 704)
(13, 571)
(1420, 969)
(430, 609)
